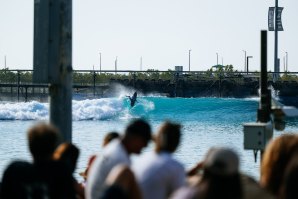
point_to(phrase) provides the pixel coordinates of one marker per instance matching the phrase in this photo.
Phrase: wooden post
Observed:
(52, 59)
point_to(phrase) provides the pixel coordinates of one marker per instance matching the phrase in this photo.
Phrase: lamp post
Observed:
(141, 64)
(189, 60)
(216, 58)
(5, 62)
(116, 60)
(247, 59)
(276, 61)
(284, 59)
(287, 61)
(100, 62)
(244, 59)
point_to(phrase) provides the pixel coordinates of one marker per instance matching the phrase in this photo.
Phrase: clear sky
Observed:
(160, 31)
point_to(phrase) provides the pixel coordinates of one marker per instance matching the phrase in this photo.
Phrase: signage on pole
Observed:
(278, 19)
(271, 19)
(271, 26)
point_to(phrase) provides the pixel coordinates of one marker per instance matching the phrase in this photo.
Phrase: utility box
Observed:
(257, 135)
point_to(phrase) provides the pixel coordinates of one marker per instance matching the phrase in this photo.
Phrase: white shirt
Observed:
(158, 175)
(113, 154)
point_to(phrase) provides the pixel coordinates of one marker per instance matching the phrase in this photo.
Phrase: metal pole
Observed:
(19, 80)
(222, 61)
(100, 62)
(284, 60)
(189, 60)
(247, 63)
(94, 81)
(287, 61)
(276, 66)
(5, 62)
(141, 64)
(116, 60)
(217, 59)
(244, 60)
(265, 102)
(61, 91)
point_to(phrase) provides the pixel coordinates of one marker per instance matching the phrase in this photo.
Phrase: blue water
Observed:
(206, 122)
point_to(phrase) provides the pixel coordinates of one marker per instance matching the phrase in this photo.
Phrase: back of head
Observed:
(109, 137)
(290, 180)
(20, 181)
(221, 173)
(138, 128)
(168, 137)
(43, 140)
(16, 177)
(275, 160)
(68, 154)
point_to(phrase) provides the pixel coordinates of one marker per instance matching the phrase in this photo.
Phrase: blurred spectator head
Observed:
(68, 154)
(276, 158)
(221, 174)
(43, 140)
(109, 137)
(168, 137)
(136, 136)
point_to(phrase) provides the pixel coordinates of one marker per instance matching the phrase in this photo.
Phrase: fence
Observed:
(18, 85)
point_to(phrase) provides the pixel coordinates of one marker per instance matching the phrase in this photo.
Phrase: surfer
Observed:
(133, 99)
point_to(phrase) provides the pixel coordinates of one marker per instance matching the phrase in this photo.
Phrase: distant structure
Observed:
(179, 69)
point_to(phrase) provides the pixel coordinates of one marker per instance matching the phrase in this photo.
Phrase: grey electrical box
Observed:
(257, 135)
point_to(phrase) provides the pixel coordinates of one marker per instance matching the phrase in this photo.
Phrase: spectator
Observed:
(107, 139)
(121, 184)
(220, 178)
(54, 175)
(136, 137)
(19, 181)
(158, 173)
(68, 154)
(290, 180)
(276, 158)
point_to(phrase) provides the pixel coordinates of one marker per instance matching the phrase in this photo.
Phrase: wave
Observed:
(24, 111)
(89, 109)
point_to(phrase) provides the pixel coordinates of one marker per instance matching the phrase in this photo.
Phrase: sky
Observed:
(160, 31)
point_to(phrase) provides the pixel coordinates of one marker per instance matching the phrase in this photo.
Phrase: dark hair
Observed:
(109, 137)
(20, 181)
(68, 154)
(43, 140)
(222, 186)
(168, 137)
(139, 128)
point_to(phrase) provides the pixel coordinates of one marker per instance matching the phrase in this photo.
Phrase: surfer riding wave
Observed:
(133, 99)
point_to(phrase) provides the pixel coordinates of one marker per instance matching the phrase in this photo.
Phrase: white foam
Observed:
(24, 111)
(95, 109)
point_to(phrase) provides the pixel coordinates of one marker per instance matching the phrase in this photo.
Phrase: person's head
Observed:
(221, 174)
(136, 136)
(109, 137)
(275, 160)
(290, 180)
(17, 177)
(168, 137)
(43, 140)
(68, 154)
